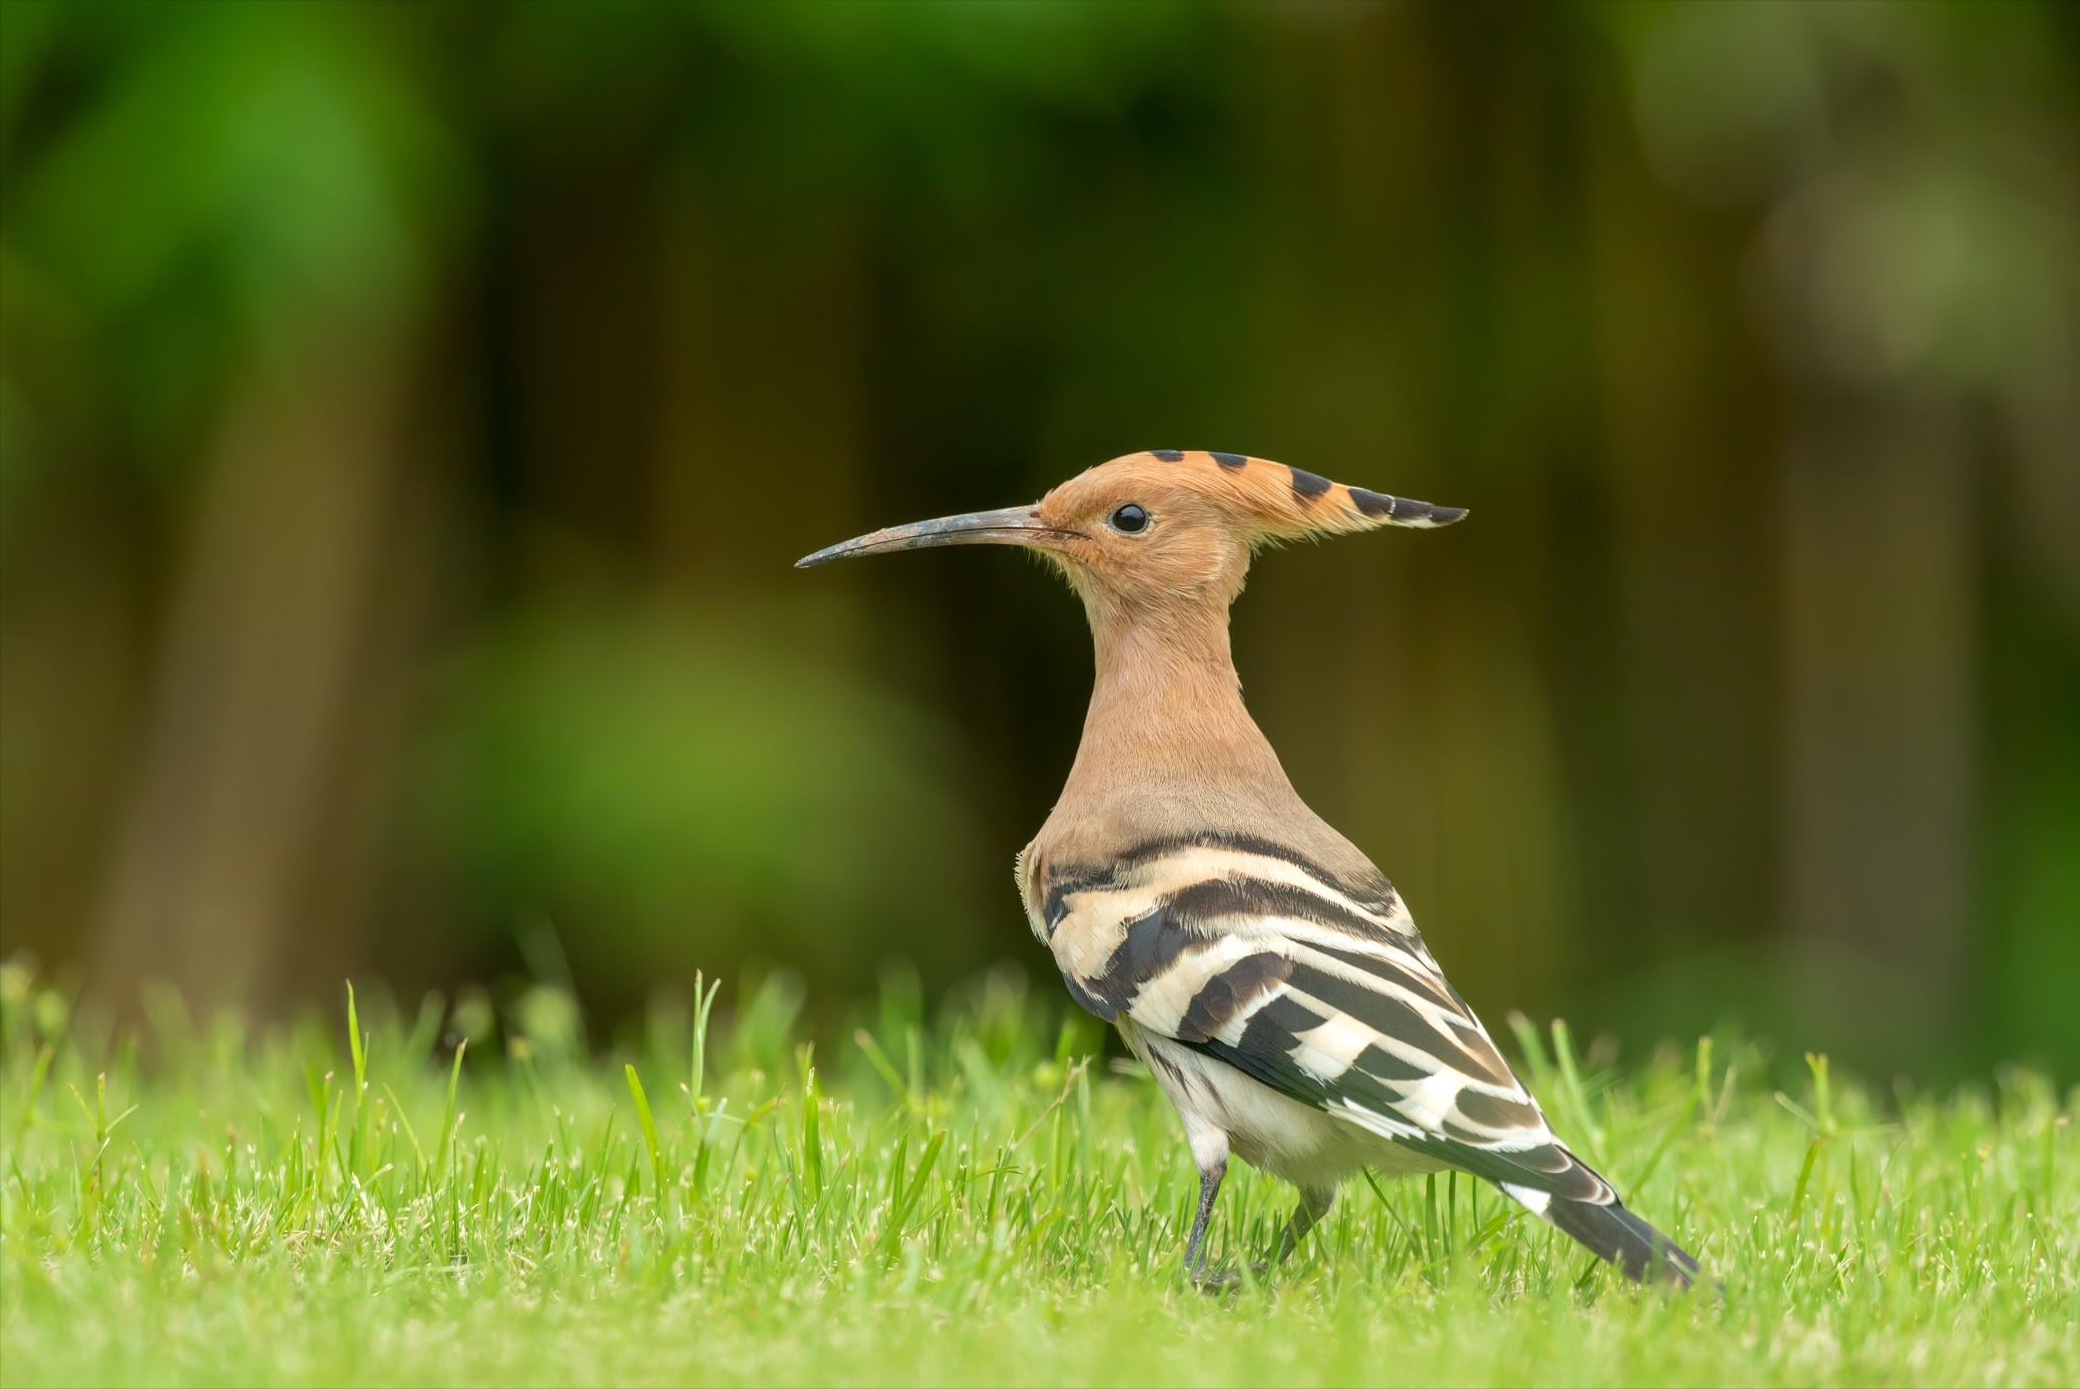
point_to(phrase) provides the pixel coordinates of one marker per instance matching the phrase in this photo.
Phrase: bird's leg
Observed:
(1314, 1204)
(1210, 1177)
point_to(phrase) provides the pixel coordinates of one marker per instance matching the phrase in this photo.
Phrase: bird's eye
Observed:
(1130, 518)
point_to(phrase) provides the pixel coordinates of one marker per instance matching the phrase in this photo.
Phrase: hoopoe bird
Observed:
(1265, 972)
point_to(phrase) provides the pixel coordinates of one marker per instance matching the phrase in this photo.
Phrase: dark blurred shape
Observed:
(409, 417)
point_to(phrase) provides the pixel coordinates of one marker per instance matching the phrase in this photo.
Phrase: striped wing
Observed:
(1315, 985)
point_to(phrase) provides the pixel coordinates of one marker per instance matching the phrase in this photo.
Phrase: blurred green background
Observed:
(409, 415)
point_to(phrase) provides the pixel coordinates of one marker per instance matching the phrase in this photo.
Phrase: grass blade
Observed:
(649, 1126)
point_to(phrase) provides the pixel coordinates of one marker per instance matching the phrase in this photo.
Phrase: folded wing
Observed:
(1315, 985)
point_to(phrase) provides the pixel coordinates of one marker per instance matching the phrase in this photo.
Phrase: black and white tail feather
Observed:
(1317, 986)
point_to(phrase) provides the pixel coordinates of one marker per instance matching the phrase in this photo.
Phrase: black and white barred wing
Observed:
(1313, 985)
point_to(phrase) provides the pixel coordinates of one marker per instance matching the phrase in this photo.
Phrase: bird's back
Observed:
(1192, 919)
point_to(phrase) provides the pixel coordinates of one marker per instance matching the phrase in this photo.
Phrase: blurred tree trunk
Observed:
(1878, 517)
(254, 684)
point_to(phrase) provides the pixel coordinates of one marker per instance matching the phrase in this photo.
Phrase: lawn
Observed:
(973, 1196)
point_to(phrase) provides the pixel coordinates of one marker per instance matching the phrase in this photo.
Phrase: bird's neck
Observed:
(1166, 721)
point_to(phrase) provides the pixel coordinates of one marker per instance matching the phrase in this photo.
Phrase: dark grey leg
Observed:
(1313, 1206)
(1194, 1251)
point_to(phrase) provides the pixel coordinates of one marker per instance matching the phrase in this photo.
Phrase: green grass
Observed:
(966, 1198)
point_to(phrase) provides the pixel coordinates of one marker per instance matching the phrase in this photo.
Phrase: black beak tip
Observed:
(1447, 515)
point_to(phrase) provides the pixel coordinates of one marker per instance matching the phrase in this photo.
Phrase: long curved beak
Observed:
(1011, 525)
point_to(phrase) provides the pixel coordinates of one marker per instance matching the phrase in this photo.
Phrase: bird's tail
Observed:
(1643, 1253)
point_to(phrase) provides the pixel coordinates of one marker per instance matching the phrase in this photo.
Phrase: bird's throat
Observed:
(1166, 710)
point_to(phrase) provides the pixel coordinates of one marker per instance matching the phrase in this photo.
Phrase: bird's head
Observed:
(1156, 528)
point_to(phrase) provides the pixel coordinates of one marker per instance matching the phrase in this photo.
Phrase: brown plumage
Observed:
(1260, 965)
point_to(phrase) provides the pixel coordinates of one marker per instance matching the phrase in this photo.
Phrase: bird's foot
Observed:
(1225, 1280)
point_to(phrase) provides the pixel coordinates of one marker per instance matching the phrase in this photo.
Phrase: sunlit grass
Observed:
(971, 1197)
